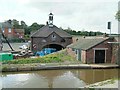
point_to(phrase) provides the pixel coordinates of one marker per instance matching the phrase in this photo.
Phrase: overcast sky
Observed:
(90, 15)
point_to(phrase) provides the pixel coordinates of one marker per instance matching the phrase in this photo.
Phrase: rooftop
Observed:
(45, 31)
(87, 43)
(5, 24)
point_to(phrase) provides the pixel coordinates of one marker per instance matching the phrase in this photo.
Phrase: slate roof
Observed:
(85, 44)
(5, 25)
(45, 31)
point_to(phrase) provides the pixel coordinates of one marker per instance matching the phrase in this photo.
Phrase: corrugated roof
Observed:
(45, 31)
(86, 44)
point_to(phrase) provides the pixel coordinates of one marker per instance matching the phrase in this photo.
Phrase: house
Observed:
(92, 50)
(50, 36)
(11, 32)
(18, 33)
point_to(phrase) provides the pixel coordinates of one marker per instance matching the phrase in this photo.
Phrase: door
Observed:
(99, 56)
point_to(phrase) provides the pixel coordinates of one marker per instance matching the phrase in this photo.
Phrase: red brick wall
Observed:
(88, 56)
(40, 44)
(71, 52)
(90, 52)
(18, 35)
(12, 34)
(115, 52)
(83, 56)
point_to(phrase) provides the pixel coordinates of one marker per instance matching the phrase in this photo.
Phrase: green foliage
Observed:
(118, 16)
(82, 33)
(4, 68)
(35, 26)
(51, 58)
(33, 60)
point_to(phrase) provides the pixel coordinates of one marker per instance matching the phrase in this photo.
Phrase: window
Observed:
(3, 30)
(53, 37)
(9, 30)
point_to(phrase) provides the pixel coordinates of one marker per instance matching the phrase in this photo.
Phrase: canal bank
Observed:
(53, 66)
(111, 83)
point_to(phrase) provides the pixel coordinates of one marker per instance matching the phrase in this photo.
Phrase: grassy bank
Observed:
(57, 57)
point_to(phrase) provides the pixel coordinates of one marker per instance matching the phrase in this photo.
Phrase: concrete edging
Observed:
(44, 67)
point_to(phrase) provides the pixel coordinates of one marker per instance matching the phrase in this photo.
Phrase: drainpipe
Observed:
(78, 54)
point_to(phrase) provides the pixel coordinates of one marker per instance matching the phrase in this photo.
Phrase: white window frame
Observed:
(9, 30)
(3, 30)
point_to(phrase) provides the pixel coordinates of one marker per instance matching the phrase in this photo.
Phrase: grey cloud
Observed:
(89, 14)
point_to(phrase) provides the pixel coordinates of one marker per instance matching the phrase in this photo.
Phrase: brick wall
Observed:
(88, 56)
(83, 56)
(12, 34)
(40, 44)
(71, 52)
(90, 53)
(115, 52)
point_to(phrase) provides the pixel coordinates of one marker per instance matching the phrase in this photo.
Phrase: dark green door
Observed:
(99, 56)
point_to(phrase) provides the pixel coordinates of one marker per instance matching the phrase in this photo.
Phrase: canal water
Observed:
(56, 78)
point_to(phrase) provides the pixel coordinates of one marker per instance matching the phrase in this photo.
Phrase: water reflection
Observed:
(93, 76)
(56, 78)
(68, 80)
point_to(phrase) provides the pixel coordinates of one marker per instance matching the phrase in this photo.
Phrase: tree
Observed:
(35, 26)
(23, 25)
(15, 23)
(118, 16)
(9, 21)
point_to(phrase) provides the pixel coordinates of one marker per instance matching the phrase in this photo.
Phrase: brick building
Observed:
(10, 32)
(50, 36)
(92, 50)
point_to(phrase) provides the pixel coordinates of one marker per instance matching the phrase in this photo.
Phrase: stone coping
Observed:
(35, 67)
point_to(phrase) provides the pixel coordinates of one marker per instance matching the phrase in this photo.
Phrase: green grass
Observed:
(57, 57)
